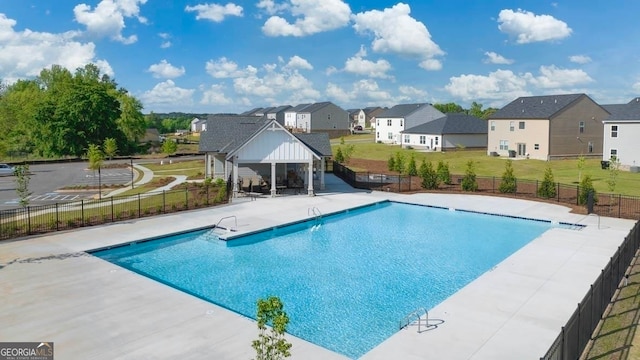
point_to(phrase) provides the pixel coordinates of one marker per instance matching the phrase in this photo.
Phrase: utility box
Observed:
(512, 153)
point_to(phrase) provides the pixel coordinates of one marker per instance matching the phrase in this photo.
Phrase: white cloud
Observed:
(214, 95)
(215, 12)
(500, 85)
(412, 92)
(166, 43)
(554, 78)
(107, 18)
(166, 94)
(25, 53)
(311, 17)
(296, 62)
(395, 31)
(528, 27)
(368, 93)
(271, 8)
(636, 86)
(580, 59)
(494, 58)
(224, 68)
(165, 70)
(360, 66)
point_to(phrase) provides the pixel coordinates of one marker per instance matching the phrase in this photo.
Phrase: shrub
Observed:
(271, 345)
(339, 155)
(508, 184)
(391, 163)
(412, 169)
(428, 175)
(443, 173)
(547, 188)
(586, 186)
(469, 182)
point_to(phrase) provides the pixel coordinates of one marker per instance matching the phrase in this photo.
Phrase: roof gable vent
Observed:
(555, 101)
(541, 101)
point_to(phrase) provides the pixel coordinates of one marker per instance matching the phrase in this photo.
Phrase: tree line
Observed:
(60, 113)
(475, 109)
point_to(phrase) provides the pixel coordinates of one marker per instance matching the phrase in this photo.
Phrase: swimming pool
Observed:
(347, 280)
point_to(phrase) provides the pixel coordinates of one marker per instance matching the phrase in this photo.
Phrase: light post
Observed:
(99, 185)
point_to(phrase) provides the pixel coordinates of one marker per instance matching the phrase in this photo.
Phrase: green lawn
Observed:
(564, 171)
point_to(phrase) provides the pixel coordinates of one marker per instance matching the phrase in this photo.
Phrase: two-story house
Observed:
(621, 134)
(370, 114)
(357, 118)
(323, 117)
(291, 115)
(547, 127)
(390, 123)
(451, 132)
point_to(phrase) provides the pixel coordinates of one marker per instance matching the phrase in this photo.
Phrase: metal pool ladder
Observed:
(315, 212)
(416, 317)
(235, 228)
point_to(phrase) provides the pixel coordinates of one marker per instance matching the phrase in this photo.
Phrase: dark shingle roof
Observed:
(451, 124)
(226, 133)
(297, 108)
(278, 109)
(402, 110)
(314, 107)
(535, 107)
(629, 111)
(317, 142)
(251, 112)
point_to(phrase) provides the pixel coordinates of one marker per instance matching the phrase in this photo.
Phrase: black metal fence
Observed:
(575, 335)
(63, 216)
(612, 205)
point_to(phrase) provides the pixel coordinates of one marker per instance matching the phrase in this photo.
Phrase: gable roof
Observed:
(314, 107)
(226, 133)
(628, 111)
(278, 109)
(251, 112)
(297, 108)
(317, 142)
(452, 123)
(536, 107)
(402, 110)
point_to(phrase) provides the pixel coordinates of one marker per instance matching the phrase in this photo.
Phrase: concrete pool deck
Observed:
(51, 290)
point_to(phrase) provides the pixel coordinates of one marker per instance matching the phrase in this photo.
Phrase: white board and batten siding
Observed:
(275, 146)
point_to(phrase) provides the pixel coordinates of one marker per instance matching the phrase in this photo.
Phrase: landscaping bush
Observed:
(469, 181)
(547, 188)
(508, 184)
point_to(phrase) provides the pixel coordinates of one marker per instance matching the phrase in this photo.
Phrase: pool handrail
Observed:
(235, 228)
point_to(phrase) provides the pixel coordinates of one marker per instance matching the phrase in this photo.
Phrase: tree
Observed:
(547, 188)
(23, 176)
(169, 147)
(581, 164)
(110, 147)
(614, 170)
(411, 168)
(428, 175)
(469, 182)
(339, 156)
(449, 108)
(271, 345)
(391, 163)
(443, 172)
(400, 162)
(476, 110)
(96, 157)
(508, 184)
(348, 151)
(586, 186)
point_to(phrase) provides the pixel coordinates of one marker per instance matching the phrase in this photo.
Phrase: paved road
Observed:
(47, 179)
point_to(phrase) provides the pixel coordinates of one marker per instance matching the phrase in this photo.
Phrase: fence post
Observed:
(164, 202)
(493, 184)
(536, 194)
(28, 220)
(112, 209)
(619, 203)
(139, 206)
(558, 190)
(186, 198)
(57, 219)
(82, 211)
(577, 194)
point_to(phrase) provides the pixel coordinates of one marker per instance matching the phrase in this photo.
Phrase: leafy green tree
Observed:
(131, 121)
(411, 168)
(443, 172)
(23, 177)
(586, 186)
(581, 163)
(400, 162)
(391, 163)
(18, 106)
(110, 147)
(348, 152)
(96, 158)
(547, 188)
(508, 184)
(469, 181)
(271, 345)
(339, 155)
(169, 147)
(614, 170)
(428, 175)
(449, 108)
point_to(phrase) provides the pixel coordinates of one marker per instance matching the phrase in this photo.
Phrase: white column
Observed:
(235, 176)
(322, 168)
(273, 179)
(207, 165)
(310, 177)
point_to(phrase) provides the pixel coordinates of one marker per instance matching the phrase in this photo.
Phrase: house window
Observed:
(423, 139)
(614, 131)
(390, 135)
(493, 126)
(581, 127)
(377, 135)
(614, 154)
(536, 146)
(407, 138)
(377, 122)
(388, 122)
(512, 126)
(590, 147)
(504, 144)
(328, 116)
(400, 122)
(436, 141)
(521, 125)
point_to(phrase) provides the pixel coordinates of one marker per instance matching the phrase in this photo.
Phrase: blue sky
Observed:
(212, 57)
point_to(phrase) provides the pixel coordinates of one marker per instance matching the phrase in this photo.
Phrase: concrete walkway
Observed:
(147, 176)
(52, 290)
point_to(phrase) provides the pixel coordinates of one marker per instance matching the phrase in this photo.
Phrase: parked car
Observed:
(357, 128)
(7, 170)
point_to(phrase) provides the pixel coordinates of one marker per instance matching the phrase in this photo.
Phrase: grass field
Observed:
(564, 171)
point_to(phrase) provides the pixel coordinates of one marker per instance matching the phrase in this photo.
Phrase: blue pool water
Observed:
(346, 283)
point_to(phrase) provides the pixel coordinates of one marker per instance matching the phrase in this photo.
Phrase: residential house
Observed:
(323, 117)
(198, 125)
(547, 127)
(277, 113)
(450, 132)
(621, 134)
(390, 123)
(151, 136)
(253, 112)
(265, 152)
(357, 117)
(370, 114)
(290, 116)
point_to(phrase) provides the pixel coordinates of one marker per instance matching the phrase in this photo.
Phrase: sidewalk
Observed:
(147, 176)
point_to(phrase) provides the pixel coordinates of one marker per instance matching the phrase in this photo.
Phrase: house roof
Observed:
(628, 111)
(297, 108)
(278, 109)
(536, 107)
(317, 142)
(251, 112)
(314, 107)
(226, 134)
(452, 123)
(402, 110)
